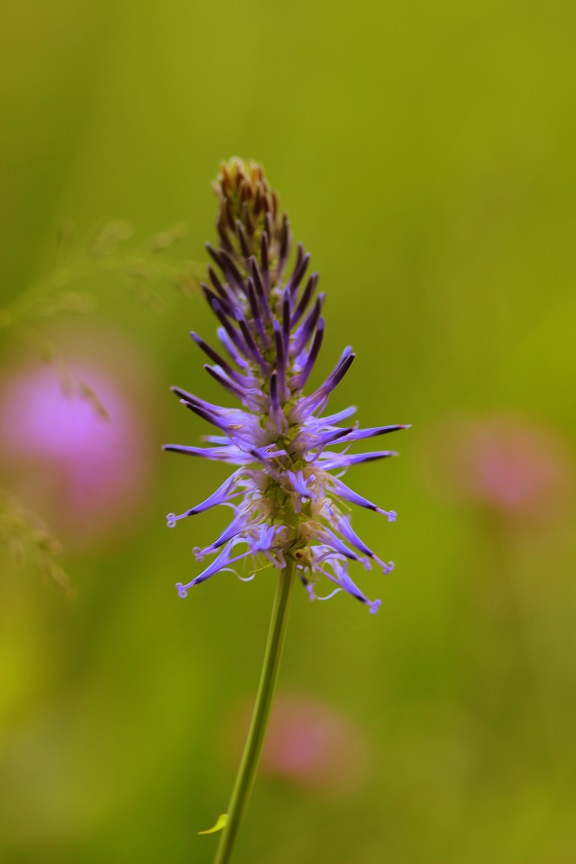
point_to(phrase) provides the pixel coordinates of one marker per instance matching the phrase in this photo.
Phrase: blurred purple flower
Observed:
(518, 468)
(309, 744)
(74, 441)
(271, 329)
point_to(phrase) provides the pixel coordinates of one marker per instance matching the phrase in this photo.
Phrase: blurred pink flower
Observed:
(311, 745)
(520, 469)
(74, 440)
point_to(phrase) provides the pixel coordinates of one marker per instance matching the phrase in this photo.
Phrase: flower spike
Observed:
(288, 500)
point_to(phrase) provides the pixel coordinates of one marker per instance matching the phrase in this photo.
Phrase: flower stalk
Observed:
(290, 506)
(260, 716)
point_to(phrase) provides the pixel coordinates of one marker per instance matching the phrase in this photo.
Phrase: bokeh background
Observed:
(425, 153)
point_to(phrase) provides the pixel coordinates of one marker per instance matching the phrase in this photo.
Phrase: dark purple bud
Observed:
(305, 298)
(247, 221)
(231, 271)
(338, 435)
(260, 289)
(255, 309)
(280, 361)
(359, 434)
(221, 378)
(309, 404)
(231, 349)
(213, 419)
(275, 409)
(250, 343)
(340, 371)
(214, 255)
(297, 263)
(241, 234)
(299, 270)
(265, 258)
(184, 396)
(285, 242)
(222, 454)
(219, 360)
(219, 287)
(286, 314)
(306, 330)
(235, 337)
(229, 211)
(211, 297)
(298, 381)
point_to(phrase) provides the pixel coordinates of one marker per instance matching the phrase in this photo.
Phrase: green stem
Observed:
(253, 747)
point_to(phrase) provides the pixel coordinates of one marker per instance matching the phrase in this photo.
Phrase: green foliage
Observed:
(103, 257)
(29, 541)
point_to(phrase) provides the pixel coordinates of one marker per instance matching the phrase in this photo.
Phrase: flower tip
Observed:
(171, 520)
(375, 606)
(392, 515)
(182, 592)
(388, 568)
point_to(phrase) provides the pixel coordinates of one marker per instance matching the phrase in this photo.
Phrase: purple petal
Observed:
(305, 331)
(233, 334)
(237, 526)
(333, 542)
(348, 494)
(280, 361)
(219, 360)
(223, 560)
(299, 271)
(218, 374)
(331, 461)
(276, 413)
(298, 381)
(231, 348)
(359, 434)
(305, 298)
(229, 454)
(311, 403)
(223, 494)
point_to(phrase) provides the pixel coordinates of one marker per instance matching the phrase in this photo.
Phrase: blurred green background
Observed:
(425, 154)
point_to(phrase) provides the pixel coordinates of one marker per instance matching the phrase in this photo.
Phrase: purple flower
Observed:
(286, 501)
(309, 744)
(75, 440)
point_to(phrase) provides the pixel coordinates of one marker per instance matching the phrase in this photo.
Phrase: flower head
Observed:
(287, 495)
(516, 468)
(309, 744)
(73, 439)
